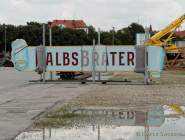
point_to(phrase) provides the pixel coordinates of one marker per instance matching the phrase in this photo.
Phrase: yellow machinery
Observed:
(158, 40)
(164, 39)
(168, 32)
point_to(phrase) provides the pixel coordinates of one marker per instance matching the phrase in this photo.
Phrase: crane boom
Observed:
(155, 39)
(163, 38)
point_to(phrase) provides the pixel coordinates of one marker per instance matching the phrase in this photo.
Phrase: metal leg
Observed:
(44, 55)
(99, 132)
(99, 43)
(147, 130)
(146, 78)
(43, 134)
(93, 65)
(50, 43)
(50, 133)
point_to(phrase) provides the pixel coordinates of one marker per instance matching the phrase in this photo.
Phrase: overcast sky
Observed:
(99, 13)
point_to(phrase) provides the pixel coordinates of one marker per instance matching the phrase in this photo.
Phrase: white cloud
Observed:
(100, 13)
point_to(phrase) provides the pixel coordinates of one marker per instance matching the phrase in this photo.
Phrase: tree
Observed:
(92, 34)
(128, 35)
(32, 33)
(125, 36)
(106, 38)
(135, 28)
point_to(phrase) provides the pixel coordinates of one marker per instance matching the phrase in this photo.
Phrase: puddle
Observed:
(157, 122)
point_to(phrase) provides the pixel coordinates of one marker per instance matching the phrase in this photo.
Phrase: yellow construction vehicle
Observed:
(166, 43)
(168, 31)
(164, 39)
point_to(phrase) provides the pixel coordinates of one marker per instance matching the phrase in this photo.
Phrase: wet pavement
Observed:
(22, 103)
(155, 122)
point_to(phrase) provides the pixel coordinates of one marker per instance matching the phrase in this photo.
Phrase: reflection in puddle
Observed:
(141, 123)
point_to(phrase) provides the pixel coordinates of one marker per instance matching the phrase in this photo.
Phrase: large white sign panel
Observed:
(85, 58)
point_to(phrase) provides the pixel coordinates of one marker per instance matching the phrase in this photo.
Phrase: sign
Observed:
(83, 58)
(86, 57)
(140, 39)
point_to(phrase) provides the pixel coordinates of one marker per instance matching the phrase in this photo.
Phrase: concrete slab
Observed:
(21, 102)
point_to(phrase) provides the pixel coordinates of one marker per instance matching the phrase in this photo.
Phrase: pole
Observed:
(93, 64)
(93, 127)
(99, 132)
(99, 36)
(146, 67)
(44, 58)
(5, 39)
(147, 129)
(43, 134)
(99, 43)
(50, 43)
(113, 37)
(49, 133)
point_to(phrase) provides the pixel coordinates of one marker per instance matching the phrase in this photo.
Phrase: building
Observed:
(180, 34)
(72, 24)
(150, 29)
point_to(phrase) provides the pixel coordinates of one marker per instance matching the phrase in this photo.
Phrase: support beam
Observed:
(44, 55)
(50, 43)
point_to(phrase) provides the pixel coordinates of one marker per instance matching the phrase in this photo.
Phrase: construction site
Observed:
(72, 82)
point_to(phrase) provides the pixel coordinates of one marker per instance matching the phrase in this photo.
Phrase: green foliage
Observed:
(127, 35)
(92, 34)
(32, 33)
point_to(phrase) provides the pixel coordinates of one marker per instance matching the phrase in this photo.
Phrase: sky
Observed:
(103, 14)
